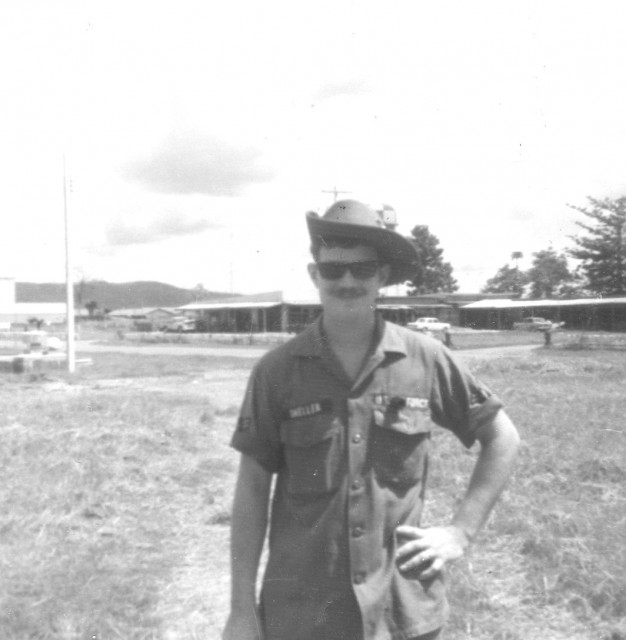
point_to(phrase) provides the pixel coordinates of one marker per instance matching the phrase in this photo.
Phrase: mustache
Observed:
(348, 293)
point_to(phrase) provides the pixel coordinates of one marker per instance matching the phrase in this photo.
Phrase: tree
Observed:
(602, 246)
(199, 292)
(548, 277)
(548, 273)
(91, 307)
(433, 274)
(507, 280)
(576, 287)
(516, 256)
(82, 285)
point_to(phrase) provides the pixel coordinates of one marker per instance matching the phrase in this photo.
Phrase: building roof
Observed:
(276, 298)
(215, 306)
(409, 304)
(139, 312)
(252, 301)
(525, 304)
(430, 301)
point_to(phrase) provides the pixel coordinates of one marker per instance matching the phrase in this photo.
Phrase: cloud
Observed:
(339, 89)
(521, 215)
(122, 233)
(470, 267)
(189, 163)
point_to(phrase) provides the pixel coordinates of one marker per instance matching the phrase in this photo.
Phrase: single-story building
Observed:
(149, 317)
(596, 314)
(270, 312)
(275, 311)
(444, 306)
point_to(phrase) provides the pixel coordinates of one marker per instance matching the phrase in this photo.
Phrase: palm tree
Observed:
(516, 256)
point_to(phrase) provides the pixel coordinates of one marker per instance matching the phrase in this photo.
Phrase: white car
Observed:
(180, 324)
(428, 324)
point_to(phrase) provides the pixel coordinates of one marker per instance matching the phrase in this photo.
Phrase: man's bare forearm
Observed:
(499, 443)
(248, 529)
(426, 551)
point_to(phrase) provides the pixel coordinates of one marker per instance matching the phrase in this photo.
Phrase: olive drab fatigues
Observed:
(351, 460)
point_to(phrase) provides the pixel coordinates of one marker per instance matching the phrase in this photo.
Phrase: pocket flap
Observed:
(307, 432)
(408, 421)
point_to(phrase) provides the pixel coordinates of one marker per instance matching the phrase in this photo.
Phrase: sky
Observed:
(195, 135)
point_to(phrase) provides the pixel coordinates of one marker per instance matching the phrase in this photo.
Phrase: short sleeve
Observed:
(257, 430)
(459, 401)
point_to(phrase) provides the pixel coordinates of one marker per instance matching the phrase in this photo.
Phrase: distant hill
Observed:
(114, 295)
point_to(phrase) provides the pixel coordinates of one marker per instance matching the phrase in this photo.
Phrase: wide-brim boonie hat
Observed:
(355, 220)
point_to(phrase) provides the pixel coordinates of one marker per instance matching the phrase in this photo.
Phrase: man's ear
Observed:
(312, 269)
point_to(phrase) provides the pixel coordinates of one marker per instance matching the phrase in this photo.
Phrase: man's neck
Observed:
(351, 340)
(356, 331)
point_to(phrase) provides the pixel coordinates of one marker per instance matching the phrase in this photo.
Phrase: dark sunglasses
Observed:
(359, 270)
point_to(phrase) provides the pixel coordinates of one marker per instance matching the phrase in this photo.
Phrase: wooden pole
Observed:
(69, 285)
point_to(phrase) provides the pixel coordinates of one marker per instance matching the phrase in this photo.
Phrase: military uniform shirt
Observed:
(350, 459)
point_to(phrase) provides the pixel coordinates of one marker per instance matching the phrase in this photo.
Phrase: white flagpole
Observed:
(69, 285)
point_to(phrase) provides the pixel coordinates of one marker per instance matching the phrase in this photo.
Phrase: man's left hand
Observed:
(422, 553)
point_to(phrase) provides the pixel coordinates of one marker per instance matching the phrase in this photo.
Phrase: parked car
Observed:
(428, 324)
(532, 324)
(179, 324)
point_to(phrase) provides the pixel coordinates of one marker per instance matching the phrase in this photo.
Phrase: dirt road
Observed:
(247, 351)
(244, 351)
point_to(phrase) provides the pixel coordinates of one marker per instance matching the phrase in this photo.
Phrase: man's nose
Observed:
(347, 279)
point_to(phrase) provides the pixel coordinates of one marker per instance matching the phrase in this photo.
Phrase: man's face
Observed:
(352, 290)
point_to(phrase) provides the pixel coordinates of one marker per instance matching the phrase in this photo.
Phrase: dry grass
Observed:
(116, 493)
(114, 500)
(551, 562)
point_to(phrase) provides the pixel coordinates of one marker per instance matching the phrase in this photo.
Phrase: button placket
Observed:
(358, 506)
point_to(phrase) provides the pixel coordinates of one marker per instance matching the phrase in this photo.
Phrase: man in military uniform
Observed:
(341, 417)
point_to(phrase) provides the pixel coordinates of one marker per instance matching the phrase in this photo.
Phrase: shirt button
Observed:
(356, 485)
(356, 438)
(357, 532)
(359, 578)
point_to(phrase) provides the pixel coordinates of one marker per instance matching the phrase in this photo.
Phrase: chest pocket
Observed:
(312, 454)
(399, 444)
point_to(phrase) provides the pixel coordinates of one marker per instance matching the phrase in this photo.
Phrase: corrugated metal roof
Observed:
(414, 306)
(394, 307)
(215, 306)
(275, 297)
(525, 304)
(128, 313)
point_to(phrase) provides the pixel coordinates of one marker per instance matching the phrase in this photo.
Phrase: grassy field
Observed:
(551, 563)
(115, 490)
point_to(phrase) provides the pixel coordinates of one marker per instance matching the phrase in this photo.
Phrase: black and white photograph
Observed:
(313, 320)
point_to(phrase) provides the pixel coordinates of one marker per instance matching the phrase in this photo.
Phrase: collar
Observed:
(392, 341)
